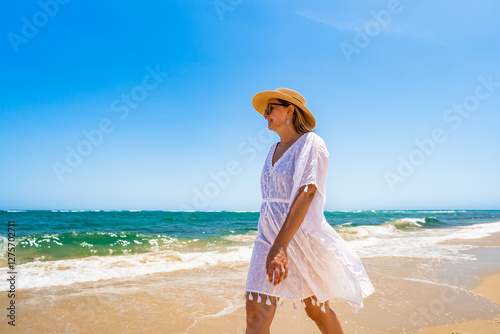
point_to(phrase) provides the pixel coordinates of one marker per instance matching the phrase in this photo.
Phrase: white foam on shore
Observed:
(248, 237)
(407, 240)
(90, 269)
(388, 240)
(232, 305)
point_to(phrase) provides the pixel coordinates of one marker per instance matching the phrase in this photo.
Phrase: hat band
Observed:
(296, 99)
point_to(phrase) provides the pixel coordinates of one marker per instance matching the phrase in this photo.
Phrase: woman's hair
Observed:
(299, 121)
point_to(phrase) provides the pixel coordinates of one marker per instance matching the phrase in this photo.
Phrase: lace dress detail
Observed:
(320, 262)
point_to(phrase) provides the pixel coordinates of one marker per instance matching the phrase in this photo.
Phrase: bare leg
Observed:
(328, 323)
(259, 315)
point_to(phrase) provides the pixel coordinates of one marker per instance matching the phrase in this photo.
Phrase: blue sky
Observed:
(147, 105)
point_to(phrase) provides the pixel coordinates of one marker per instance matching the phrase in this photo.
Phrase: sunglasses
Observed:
(269, 109)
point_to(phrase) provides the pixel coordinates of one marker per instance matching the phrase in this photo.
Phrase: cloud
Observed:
(329, 20)
(392, 28)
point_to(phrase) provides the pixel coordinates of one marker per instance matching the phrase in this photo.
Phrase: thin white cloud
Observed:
(351, 25)
(329, 20)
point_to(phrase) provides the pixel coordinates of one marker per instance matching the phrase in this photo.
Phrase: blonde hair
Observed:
(299, 121)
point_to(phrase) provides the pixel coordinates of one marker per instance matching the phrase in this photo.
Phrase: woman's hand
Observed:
(277, 260)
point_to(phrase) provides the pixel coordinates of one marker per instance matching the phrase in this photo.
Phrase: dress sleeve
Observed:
(316, 166)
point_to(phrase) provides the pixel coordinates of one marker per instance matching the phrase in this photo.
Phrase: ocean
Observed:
(63, 247)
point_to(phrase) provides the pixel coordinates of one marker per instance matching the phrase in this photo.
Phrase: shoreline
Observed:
(488, 287)
(413, 295)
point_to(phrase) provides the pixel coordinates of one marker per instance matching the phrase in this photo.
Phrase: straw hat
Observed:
(260, 101)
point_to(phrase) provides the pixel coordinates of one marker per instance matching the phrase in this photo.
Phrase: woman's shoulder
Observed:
(315, 138)
(317, 141)
(312, 135)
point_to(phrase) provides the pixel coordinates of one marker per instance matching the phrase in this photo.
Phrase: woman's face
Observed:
(277, 117)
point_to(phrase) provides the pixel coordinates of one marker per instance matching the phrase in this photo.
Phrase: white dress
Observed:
(320, 262)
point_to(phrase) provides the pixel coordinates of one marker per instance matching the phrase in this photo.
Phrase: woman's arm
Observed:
(277, 258)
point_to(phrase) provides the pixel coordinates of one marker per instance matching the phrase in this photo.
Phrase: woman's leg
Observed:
(328, 323)
(259, 315)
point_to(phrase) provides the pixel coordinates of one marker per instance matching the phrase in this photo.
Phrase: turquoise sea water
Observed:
(63, 247)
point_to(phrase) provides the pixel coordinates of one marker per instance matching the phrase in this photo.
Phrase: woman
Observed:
(297, 255)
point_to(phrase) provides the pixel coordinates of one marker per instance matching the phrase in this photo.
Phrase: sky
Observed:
(128, 105)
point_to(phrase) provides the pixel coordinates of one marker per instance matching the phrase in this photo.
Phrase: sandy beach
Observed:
(413, 295)
(489, 287)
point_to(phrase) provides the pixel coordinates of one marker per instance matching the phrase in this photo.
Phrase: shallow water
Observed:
(63, 248)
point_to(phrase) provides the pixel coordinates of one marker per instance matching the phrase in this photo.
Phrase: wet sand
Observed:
(489, 287)
(412, 294)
